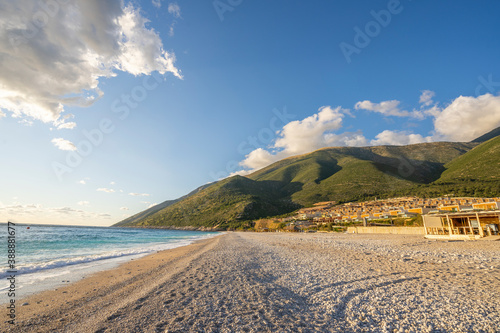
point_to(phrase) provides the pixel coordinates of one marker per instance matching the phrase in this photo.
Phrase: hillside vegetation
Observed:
(476, 173)
(331, 174)
(137, 218)
(223, 205)
(356, 173)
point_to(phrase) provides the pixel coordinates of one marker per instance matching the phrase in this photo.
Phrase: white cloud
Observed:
(63, 144)
(69, 125)
(387, 108)
(142, 48)
(83, 181)
(311, 133)
(152, 205)
(26, 122)
(2, 114)
(242, 172)
(139, 194)
(171, 30)
(174, 9)
(123, 208)
(303, 136)
(107, 190)
(351, 139)
(467, 118)
(425, 112)
(157, 3)
(83, 203)
(398, 138)
(426, 97)
(391, 108)
(112, 183)
(427, 106)
(37, 213)
(260, 158)
(58, 61)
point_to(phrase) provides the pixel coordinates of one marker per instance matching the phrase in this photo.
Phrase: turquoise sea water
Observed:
(44, 252)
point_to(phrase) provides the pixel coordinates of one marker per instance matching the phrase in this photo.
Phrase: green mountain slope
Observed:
(481, 163)
(223, 205)
(340, 174)
(134, 219)
(476, 173)
(353, 173)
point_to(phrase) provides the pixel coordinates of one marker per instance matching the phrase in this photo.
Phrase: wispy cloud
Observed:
(63, 144)
(426, 97)
(174, 9)
(39, 213)
(83, 203)
(83, 181)
(171, 29)
(387, 108)
(156, 3)
(107, 190)
(139, 194)
(25, 122)
(69, 125)
(392, 108)
(123, 208)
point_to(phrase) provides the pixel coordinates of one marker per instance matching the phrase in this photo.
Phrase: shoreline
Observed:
(33, 278)
(40, 281)
(172, 227)
(94, 290)
(283, 282)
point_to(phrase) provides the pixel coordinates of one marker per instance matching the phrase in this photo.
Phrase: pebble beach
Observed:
(284, 282)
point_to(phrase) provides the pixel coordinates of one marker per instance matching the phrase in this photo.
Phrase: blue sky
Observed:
(103, 115)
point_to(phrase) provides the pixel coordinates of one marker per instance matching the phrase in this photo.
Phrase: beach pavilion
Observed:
(462, 225)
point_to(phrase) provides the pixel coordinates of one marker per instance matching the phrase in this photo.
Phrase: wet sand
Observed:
(248, 282)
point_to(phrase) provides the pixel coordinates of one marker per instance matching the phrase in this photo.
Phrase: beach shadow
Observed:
(340, 309)
(341, 283)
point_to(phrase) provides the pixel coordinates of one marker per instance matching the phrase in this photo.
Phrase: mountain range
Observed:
(339, 174)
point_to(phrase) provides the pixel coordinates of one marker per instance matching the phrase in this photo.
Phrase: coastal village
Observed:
(468, 216)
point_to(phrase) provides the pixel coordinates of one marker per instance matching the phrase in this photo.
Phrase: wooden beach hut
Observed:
(462, 225)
